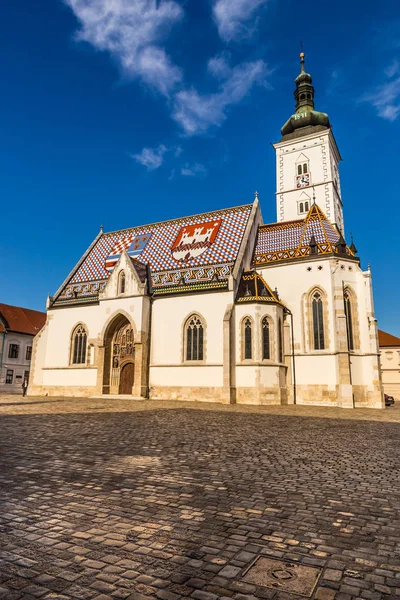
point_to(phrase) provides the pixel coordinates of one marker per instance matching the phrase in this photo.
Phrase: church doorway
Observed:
(126, 378)
(119, 357)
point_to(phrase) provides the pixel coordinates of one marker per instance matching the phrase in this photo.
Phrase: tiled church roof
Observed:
(292, 239)
(183, 254)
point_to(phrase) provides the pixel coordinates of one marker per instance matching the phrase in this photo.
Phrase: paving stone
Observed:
(120, 499)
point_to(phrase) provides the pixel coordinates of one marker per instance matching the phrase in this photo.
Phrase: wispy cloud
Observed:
(132, 32)
(195, 170)
(196, 113)
(233, 17)
(151, 158)
(386, 97)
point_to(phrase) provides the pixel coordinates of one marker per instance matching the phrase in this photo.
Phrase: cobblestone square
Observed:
(136, 500)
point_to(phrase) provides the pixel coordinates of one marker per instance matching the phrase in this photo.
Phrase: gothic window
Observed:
(121, 283)
(349, 319)
(79, 341)
(299, 169)
(13, 351)
(248, 339)
(266, 341)
(305, 168)
(280, 341)
(194, 338)
(318, 321)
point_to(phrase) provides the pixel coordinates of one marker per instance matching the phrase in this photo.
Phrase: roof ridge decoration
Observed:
(254, 288)
(313, 235)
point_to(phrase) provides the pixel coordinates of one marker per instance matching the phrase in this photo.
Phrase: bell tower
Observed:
(307, 160)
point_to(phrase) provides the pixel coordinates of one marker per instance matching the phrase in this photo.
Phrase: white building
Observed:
(389, 346)
(18, 326)
(221, 307)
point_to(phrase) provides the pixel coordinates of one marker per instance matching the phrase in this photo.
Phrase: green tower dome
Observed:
(305, 116)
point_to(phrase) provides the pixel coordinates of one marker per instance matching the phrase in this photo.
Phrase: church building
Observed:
(222, 307)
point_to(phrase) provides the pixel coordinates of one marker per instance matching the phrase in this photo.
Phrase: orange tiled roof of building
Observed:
(21, 320)
(387, 339)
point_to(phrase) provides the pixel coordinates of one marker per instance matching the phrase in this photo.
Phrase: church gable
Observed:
(191, 253)
(128, 278)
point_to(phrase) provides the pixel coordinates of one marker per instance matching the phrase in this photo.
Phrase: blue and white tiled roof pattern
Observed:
(157, 252)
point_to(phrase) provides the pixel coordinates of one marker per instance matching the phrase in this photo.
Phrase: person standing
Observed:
(24, 386)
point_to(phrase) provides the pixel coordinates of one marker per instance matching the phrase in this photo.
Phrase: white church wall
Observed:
(171, 376)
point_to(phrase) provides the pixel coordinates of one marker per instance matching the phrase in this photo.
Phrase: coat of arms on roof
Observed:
(193, 240)
(134, 250)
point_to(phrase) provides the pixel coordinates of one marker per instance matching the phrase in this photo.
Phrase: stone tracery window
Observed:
(194, 332)
(79, 343)
(280, 341)
(248, 338)
(318, 321)
(266, 341)
(121, 283)
(349, 319)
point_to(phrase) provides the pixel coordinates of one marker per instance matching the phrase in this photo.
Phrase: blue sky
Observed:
(126, 112)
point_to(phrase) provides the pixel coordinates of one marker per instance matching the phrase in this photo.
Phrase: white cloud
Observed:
(386, 99)
(131, 31)
(195, 170)
(392, 69)
(151, 158)
(233, 16)
(196, 113)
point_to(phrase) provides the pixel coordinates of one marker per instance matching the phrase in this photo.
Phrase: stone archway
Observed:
(119, 352)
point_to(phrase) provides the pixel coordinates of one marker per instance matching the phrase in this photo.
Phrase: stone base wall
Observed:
(61, 391)
(194, 394)
(364, 397)
(261, 396)
(392, 389)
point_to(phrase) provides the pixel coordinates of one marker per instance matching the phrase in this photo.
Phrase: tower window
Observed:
(305, 168)
(301, 207)
(306, 206)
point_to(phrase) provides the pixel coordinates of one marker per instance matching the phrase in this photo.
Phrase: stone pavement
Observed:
(122, 499)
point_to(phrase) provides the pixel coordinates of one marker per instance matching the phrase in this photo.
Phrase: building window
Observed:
(301, 207)
(299, 169)
(13, 351)
(306, 206)
(318, 321)
(280, 342)
(121, 283)
(194, 338)
(28, 352)
(302, 168)
(266, 343)
(349, 320)
(248, 339)
(79, 340)
(305, 168)
(9, 376)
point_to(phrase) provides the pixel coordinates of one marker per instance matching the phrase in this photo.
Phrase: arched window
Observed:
(121, 283)
(194, 338)
(280, 343)
(299, 170)
(248, 339)
(305, 168)
(266, 342)
(301, 207)
(79, 342)
(349, 319)
(318, 321)
(306, 206)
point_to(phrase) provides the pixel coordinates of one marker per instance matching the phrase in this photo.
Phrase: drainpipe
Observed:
(2, 351)
(151, 294)
(287, 311)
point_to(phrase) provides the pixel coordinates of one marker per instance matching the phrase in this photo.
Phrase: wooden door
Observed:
(126, 378)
